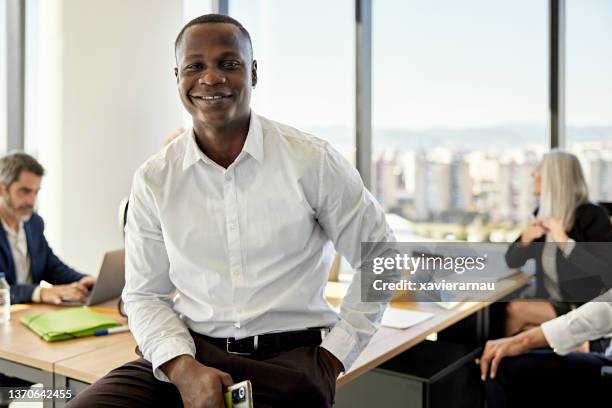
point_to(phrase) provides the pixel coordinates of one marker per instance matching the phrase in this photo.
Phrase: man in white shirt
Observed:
(241, 216)
(559, 378)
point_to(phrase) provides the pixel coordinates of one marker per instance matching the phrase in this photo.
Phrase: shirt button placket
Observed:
(233, 239)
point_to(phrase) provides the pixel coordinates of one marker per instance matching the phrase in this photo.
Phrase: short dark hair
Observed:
(13, 164)
(212, 18)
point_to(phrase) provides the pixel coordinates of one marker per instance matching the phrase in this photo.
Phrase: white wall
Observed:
(108, 97)
(3, 58)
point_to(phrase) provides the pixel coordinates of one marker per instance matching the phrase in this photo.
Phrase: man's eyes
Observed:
(224, 65)
(192, 67)
(230, 64)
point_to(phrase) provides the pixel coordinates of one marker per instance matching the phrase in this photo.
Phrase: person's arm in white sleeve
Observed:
(588, 322)
(564, 334)
(160, 333)
(350, 215)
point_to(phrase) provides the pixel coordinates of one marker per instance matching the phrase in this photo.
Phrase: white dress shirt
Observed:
(19, 248)
(590, 321)
(247, 248)
(21, 257)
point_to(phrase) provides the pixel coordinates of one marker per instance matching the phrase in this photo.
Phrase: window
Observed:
(459, 112)
(589, 91)
(195, 8)
(306, 65)
(3, 90)
(32, 78)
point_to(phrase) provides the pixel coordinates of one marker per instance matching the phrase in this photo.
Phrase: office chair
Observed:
(607, 205)
(123, 209)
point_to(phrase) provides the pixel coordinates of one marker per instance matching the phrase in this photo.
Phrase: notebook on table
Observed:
(68, 323)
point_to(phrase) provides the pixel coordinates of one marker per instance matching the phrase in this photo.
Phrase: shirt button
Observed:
(237, 325)
(228, 177)
(232, 226)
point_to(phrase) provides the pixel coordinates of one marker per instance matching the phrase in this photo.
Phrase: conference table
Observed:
(74, 364)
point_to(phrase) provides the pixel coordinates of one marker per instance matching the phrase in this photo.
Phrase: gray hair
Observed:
(13, 164)
(564, 187)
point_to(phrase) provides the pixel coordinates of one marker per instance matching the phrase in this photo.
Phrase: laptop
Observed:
(110, 282)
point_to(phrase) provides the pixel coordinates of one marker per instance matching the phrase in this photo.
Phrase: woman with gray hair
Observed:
(567, 274)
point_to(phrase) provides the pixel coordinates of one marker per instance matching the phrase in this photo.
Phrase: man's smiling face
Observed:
(215, 74)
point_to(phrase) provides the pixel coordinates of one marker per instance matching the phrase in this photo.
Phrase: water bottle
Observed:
(5, 299)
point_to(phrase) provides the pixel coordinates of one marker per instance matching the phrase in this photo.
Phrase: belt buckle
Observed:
(230, 341)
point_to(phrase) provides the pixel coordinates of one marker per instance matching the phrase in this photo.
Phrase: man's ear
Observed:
(254, 73)
(2, 189)
(176, 74)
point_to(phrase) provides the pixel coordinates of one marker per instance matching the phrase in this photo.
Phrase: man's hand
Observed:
(200, 386)
(87, 282)
(337, 364)
(56, 293)
(496, 350)
(532, 231)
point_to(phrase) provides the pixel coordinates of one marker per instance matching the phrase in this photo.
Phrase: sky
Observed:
(436, 63)
(3, 100)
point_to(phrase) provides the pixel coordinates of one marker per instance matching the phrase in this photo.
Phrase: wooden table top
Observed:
(21, 345)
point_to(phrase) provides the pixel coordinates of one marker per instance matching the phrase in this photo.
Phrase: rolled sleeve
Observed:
(558, 335)
(590, 321)
(342, 345)
(166, 352)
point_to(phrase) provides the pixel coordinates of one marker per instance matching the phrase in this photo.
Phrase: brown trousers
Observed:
(297, 378)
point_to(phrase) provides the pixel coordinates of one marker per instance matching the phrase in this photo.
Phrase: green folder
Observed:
(68, 323)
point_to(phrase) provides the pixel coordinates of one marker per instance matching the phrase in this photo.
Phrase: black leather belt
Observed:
(270, 342)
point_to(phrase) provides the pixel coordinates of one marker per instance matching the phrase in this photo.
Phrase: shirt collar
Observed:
(253, 144)
(11, 231)
(192, 151)
(254, 141)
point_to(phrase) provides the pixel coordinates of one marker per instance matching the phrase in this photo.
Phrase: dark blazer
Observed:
(587, 270)
(43, 262)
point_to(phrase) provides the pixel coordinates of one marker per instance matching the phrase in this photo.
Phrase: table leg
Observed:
(35, 375)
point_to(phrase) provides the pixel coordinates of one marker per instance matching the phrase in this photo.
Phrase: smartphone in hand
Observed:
(239, 395)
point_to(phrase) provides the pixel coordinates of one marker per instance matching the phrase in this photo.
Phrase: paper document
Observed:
(403, 318)
(448, 305)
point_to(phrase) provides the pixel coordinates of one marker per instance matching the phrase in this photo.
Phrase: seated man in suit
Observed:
(25, 256)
